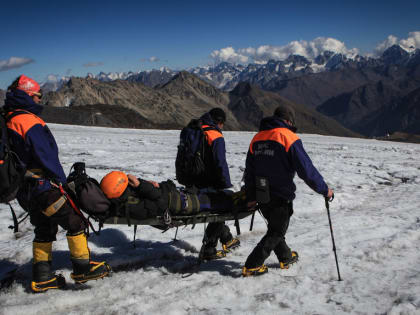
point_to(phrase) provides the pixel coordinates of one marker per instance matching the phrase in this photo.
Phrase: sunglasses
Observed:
(39, 94)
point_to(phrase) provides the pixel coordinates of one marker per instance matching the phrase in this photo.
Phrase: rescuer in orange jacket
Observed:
(40, 195)
(217, 178)
(275, 155)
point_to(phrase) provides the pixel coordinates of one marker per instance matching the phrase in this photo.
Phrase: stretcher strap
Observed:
(195, 203)
(167, 219)
(127, 214)
(175, 203)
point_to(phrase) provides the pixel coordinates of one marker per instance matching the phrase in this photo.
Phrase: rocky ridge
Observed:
(175, 103)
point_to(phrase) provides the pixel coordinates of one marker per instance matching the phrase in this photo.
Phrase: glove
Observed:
(228, 191)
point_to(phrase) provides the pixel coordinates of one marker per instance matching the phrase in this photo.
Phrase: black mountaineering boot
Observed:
(257, 271)
(286, 263)
(42, 277)
(232, 244)
(83, 268)
(210, 253)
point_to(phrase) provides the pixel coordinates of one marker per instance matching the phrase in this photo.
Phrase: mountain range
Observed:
(370, 96)
(174, 104)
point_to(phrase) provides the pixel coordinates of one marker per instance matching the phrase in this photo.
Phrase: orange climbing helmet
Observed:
(114, 184)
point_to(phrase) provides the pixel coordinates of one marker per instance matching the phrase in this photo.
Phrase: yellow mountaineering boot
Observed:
(42, 277)
(232, 244)
(285, 264)
(211, 253)
(257, 271)
(83, 268)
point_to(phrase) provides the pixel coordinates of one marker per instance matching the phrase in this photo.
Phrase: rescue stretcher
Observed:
(174, 216)
(168, 221)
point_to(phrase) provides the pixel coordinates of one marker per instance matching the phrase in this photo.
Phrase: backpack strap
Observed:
(211, 133)
(7, 117)
(15, 226)
(207, 128)
(204, 140)
(12, 114)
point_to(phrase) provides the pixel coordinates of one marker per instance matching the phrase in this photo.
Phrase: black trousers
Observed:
(46, 227)
(216, 231)
(277, 214)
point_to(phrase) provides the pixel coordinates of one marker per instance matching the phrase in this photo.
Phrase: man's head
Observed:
(114, 184)
(218, 116)
(27, 85)
(286, 113)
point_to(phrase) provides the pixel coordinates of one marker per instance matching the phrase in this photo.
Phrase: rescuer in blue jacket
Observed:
(217, 170)
(216, 177)
(40, 195)
(275, 155)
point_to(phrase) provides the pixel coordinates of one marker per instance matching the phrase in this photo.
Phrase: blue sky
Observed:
(40, 38)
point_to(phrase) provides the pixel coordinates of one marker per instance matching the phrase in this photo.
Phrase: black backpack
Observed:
(190, 159)
(12, 170)
(87, 193)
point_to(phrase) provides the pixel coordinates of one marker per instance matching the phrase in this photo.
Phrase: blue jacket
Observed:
(277, 153)
(33, 142)
(217, 170)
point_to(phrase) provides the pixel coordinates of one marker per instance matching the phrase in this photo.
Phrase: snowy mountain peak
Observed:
(395, 54)
(226, 75)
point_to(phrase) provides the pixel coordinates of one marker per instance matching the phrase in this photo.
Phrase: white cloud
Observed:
(93, 64)
(390, 41)
(261, 54)
(410, 43)
(150, 59)
(52, 78)
(55, 79)
(14, 62)
(228, 54)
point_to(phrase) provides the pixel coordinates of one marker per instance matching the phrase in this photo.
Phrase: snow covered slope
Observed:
(375, 216)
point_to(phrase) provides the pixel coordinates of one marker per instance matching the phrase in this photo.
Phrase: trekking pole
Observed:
(327, 200)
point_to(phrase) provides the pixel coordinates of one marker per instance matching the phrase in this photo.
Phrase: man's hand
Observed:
(133, 181)
(330, 194)
(251, 204)
(155, 184)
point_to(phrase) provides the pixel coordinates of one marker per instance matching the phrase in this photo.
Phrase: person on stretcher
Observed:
(141, 199)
